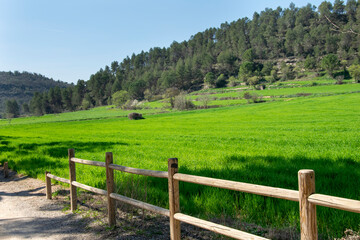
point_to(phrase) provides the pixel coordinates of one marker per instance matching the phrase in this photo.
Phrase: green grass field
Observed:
(265, 143)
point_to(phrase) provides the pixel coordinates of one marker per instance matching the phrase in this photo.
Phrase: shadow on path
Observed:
(35, 228)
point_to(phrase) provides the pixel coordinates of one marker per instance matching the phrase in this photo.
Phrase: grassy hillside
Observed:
(264, 143)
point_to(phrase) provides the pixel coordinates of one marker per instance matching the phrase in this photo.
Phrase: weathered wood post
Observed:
(307, 210)
(174, 203)
(72, 176)
(48, 185)
(110, 189)
(6, 170)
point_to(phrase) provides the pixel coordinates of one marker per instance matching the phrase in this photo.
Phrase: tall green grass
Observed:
(263, 143)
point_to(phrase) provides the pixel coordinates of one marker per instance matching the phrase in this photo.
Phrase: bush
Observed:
(274, 75)
(339, 79)
(330, 63)
(135, 116)
(355, 72)
(132, 105)
(182, 103)
(255, 98)
(310, 63)
(288, 72)
(171, 93)
(209, 79)
(85, 105)
(119, 98)
(268, 67)
(205, 100)
(247, 95)
(232, 81)
(252, 81)
(220, 81)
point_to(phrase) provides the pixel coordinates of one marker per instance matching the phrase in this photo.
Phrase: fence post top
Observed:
(306, 171)
(173, 162)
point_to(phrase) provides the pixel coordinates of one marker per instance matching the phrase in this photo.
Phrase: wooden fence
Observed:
(6, 170)
(306, 196)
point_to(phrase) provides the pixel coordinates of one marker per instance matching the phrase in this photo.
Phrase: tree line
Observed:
(20, 87)
(324, 37)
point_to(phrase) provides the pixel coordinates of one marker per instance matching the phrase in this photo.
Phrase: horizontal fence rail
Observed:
(88, 162)
(64, 180)
(335, 202)
(306, 196)
(241, 187)
(138, 171)
(90, 189)
(140, 204)
(217, 228)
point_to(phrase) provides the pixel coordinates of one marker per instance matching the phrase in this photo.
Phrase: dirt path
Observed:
(26, 214)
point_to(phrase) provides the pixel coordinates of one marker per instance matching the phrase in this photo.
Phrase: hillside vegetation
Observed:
(301, 125)
(275, 45)
(22, 86)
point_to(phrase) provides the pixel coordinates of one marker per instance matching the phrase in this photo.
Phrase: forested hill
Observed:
(244, 50)
(22, 86)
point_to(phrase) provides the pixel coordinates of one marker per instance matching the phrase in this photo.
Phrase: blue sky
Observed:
(70, 40)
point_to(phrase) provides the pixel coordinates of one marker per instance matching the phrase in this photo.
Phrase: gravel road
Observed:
(25, 213)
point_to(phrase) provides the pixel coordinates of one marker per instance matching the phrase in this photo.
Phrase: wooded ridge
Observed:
(22, 86)
(276, 44)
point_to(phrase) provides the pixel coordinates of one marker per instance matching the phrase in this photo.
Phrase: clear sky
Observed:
(69, 40)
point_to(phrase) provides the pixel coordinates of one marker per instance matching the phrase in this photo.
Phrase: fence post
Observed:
(72, 176)
(6, 170)
(307, 210)
(48, 185)
(174, 203)
(110, 189)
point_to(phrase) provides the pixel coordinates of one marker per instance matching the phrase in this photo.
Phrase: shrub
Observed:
(288, 72)
(355, 72)
(232, 81)
(274, 75)
(255, 98)
(132, 105)
(268, 67)
(220, 81)
(148, 95)
(247, 95)
(252, 81)
(339, 79)
(330, 63)
(85, 104)
(171, 93)
(119, 98)
(310, 63)
(205, 100)
(182, 103)
(209, 79)
(246, 70)
(135, 116)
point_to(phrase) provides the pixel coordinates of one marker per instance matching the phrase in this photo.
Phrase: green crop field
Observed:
(264, 143)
